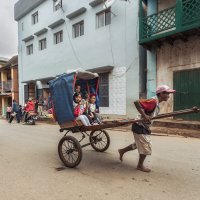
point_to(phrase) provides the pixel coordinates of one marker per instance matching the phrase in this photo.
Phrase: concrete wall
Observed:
(180, 56)
(154, 6)
(151, 56)
(15, 83)
(163, 4)
(115, 45)
(1, 106)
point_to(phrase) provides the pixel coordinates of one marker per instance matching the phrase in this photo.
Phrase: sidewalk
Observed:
(171, 123)
(172, 127)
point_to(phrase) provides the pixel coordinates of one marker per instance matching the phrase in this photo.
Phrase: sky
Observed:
(8, 29)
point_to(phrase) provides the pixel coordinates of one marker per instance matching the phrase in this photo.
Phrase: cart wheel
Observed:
(70, 151)
(100, 140)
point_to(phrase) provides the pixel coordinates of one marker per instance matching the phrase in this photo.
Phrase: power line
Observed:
(74, 52)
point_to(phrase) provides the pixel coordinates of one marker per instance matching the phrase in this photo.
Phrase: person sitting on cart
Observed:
(77, 88)
(79, 110)
(85, 102)
(93, 110)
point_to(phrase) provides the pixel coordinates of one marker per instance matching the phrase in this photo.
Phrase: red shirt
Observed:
(79, 110)
(29, 106)
(148, 105)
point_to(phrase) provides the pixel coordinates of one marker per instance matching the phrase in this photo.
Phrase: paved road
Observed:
(28, 162)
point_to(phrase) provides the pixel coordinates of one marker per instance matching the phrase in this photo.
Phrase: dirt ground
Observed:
(29, 163)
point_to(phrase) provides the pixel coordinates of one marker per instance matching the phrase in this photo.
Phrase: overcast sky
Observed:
(8, 29)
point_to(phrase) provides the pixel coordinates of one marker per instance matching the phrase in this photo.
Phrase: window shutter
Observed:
(104, 90)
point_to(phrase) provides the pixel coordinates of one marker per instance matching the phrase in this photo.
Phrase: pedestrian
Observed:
(45, 105)
(141, 130)
(40, 106)
(8, 111)
(36, 105)
(20, 112)
(15, 112)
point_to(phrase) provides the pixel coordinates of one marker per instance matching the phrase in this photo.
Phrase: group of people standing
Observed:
(16, 111)
(21, 113)
(43, 105)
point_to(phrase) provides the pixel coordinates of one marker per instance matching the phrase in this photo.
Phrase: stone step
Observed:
(192, 125)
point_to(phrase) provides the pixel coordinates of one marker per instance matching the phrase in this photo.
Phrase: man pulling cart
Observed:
(141, 130)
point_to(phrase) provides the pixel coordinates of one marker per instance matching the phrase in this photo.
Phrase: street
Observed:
(30, 168)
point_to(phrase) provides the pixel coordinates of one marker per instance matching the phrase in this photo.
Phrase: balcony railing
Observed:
(184, 16)
(6, 86)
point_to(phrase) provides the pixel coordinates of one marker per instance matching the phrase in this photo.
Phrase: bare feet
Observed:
(143, 169)
(120, 155)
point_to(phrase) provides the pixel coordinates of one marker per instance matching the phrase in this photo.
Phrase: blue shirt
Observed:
(15, 107)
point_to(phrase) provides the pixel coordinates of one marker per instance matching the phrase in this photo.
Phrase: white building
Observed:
(70, 34)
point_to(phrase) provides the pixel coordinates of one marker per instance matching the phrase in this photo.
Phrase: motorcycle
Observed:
(31, 118)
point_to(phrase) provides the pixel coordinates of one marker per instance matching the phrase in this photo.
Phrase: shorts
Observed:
(143, 144)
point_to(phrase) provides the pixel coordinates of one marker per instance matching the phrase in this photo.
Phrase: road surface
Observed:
(29, 166)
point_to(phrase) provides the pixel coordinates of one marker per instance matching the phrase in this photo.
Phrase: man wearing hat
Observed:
(147, 108)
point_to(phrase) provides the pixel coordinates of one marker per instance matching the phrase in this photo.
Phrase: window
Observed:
(29, 49)
(35, 18)
(58, 37)
(78, 29)
(103, 18)
(42, 44)
(57, 4)
(104, 90)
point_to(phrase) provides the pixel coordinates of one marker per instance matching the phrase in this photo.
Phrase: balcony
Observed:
(5, 87)
(177, 22)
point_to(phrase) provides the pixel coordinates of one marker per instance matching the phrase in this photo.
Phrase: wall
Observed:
(0, 105)
(15, 84)
(151, 57)
(163, 4)
(115, 45)
(180, 56)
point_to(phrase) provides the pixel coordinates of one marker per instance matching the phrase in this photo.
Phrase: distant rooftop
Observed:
(12, 62)
(2, 59)
(23, 7)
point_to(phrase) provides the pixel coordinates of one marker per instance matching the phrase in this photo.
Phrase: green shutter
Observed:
(187, 86)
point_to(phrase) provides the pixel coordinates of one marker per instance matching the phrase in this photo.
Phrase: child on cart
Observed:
(92, 110)
(85, 102)
(77, 88)
(79, 109)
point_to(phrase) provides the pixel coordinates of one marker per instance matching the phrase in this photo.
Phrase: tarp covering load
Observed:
(61, 90)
